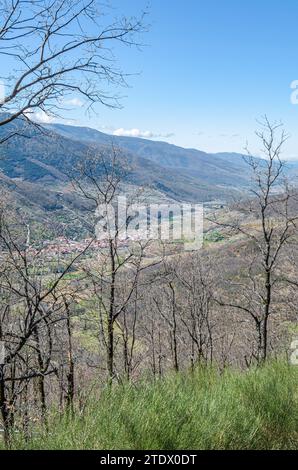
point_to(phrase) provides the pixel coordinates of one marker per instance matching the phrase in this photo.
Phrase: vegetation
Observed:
(118, 338)
(257, 409)
(129, 310)
(214, 237)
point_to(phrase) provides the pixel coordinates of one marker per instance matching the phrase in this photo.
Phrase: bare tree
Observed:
(32, 303)
(266, 222)
(166, 305)
(57, 51)
(100, 179)
(197, 287)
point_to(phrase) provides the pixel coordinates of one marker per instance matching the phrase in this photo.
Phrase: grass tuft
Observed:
(257, 409)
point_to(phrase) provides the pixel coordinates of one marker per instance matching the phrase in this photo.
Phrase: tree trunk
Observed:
(5, 415)
(110, 345)
(40, 379)
(70, 375)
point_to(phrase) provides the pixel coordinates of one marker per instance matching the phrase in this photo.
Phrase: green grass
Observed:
(214, 237)
(235, 410)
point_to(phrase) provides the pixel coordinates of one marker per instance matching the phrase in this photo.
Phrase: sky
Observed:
(209, 70)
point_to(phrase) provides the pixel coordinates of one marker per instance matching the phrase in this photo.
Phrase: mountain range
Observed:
(36, 168)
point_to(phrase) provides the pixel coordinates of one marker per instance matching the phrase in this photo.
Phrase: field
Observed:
(257, 409)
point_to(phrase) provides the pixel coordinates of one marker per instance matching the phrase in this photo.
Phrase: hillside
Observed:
(203, 410)
(37, 169)
(224, 169)
(47, 158)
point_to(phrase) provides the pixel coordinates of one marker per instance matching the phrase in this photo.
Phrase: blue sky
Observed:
(210, 69)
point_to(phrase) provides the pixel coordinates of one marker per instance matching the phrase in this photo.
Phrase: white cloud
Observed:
(42, 117)
(132, 132)
(138, 133)
(74, 102)
(2, 92)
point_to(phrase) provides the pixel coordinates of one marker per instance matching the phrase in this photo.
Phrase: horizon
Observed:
(206, 87)
(160, 140)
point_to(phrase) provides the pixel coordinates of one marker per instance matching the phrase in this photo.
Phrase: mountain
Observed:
(221, 169)
(36, 169)
(45, 159)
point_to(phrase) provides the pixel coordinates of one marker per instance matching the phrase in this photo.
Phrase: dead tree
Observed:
(99, 180)
(60, 54)
(168, 311)
(31, 305)
(196, 287)
(266, 223)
